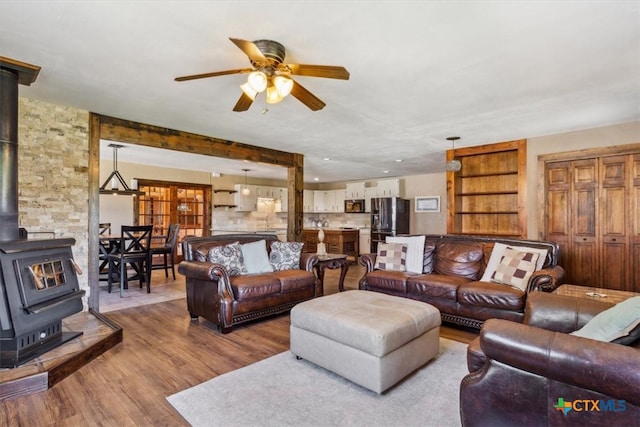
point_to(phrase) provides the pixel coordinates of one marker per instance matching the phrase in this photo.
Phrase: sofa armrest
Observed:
(560, 313)
(207, 271)
(367, 261)
(308, 260)
(611, 369)
(546, 279)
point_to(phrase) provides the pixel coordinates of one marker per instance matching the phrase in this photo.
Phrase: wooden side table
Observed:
(332, 261)
(611, 296)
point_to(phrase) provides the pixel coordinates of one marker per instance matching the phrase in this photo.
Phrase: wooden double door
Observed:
(592, 211)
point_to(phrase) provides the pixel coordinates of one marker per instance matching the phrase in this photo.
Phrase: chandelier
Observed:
(110, 185)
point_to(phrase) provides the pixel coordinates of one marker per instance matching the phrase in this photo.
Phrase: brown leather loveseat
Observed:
(536, 374)
(450, 280)
(228, 300)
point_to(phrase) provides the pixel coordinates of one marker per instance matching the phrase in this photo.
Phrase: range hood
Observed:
(110, 185)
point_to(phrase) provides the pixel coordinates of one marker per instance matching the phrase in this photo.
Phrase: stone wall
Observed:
(53, 172)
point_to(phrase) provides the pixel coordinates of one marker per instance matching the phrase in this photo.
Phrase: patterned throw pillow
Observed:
(285, 255)
(515, 268)
(230, 256)
(391, 257)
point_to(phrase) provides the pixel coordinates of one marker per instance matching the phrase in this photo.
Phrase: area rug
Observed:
(284, 391)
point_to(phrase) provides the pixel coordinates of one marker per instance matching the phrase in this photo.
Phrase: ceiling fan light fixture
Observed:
(248, 91)
(283, 84)
(273, 96)
(257, 81)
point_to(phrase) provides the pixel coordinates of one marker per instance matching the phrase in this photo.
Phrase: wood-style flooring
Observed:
(162, 352)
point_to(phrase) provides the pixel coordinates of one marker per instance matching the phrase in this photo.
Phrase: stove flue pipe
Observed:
(9, 224)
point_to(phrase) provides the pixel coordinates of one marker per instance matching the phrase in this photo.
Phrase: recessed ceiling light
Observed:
(385, 171)
(398, 160)
(327, 158)
(316, 179)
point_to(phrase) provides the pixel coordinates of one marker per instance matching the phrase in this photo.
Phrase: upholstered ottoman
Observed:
(370, 338)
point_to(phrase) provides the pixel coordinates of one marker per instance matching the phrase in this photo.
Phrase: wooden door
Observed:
(634, 225)
(558, 212)
(614, 236)
(584, 219)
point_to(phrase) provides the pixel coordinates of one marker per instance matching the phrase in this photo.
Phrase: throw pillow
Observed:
(230, 256)
(285, 255)
(496, 257)
(613, 323)
(515, 268)
(256, 259)
(415, 251)
(391, 256)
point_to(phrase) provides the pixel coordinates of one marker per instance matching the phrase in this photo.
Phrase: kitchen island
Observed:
(337, 241)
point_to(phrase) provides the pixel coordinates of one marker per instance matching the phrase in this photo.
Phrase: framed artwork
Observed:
(427, 204)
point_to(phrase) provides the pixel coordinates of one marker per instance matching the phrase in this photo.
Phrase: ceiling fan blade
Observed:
(306, 97)
(214, 74)
(250, 49)
(243, 103)
(327, 71)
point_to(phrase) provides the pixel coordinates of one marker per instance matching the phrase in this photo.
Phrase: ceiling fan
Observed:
(269, 73)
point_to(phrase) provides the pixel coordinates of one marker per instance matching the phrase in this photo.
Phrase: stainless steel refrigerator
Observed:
(389, 217)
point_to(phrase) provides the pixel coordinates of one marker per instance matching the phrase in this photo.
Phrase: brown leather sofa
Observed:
(519, 372)
(230, 300)
(452, 267)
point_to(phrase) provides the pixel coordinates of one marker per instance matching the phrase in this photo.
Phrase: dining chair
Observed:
(168, 251)
(104, 228)
(135, 250)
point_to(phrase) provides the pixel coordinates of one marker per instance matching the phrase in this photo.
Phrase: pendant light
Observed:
(245, 190)
(453, 165)
(111, 186)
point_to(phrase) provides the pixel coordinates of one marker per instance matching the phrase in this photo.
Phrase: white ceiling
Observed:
(487, 71)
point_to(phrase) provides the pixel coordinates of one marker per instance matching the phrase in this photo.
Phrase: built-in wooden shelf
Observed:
(488, 194)
(225, 206)
(225, 191)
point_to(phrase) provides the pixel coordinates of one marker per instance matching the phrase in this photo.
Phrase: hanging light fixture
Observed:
(245, 190)
(111, 186)
(453, 165)
(277, 86)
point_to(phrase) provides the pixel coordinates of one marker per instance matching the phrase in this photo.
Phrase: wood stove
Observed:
(38, 278)
(38, 288)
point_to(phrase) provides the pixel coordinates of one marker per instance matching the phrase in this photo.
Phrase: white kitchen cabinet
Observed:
(319, 201)
(308, 200)
(265, 192)
(389, 187)
(365, 241)
(355, 190)
(338, 201)
(245, 203)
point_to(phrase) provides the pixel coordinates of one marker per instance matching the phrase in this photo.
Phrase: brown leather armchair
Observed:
(521, 373)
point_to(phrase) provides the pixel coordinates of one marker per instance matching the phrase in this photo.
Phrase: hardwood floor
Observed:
(162, 352)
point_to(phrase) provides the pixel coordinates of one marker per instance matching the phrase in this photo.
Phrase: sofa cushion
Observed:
(435, 286)
(614, 323)
(230, 256)
(395, 281)
(391, 257)
(415, 251)
(256, 258)
(459, 259)
(491, 295)
(292, 280)
(515, 268)
(498, 251)
(285, 255)
(251, 286)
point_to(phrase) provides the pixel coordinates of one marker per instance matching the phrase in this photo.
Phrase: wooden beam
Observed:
(121, 130)
(295, 194)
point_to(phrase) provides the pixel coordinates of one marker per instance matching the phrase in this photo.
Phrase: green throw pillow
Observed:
(614, 323)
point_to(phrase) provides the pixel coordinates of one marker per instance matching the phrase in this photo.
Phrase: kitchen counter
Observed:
(337, 240)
